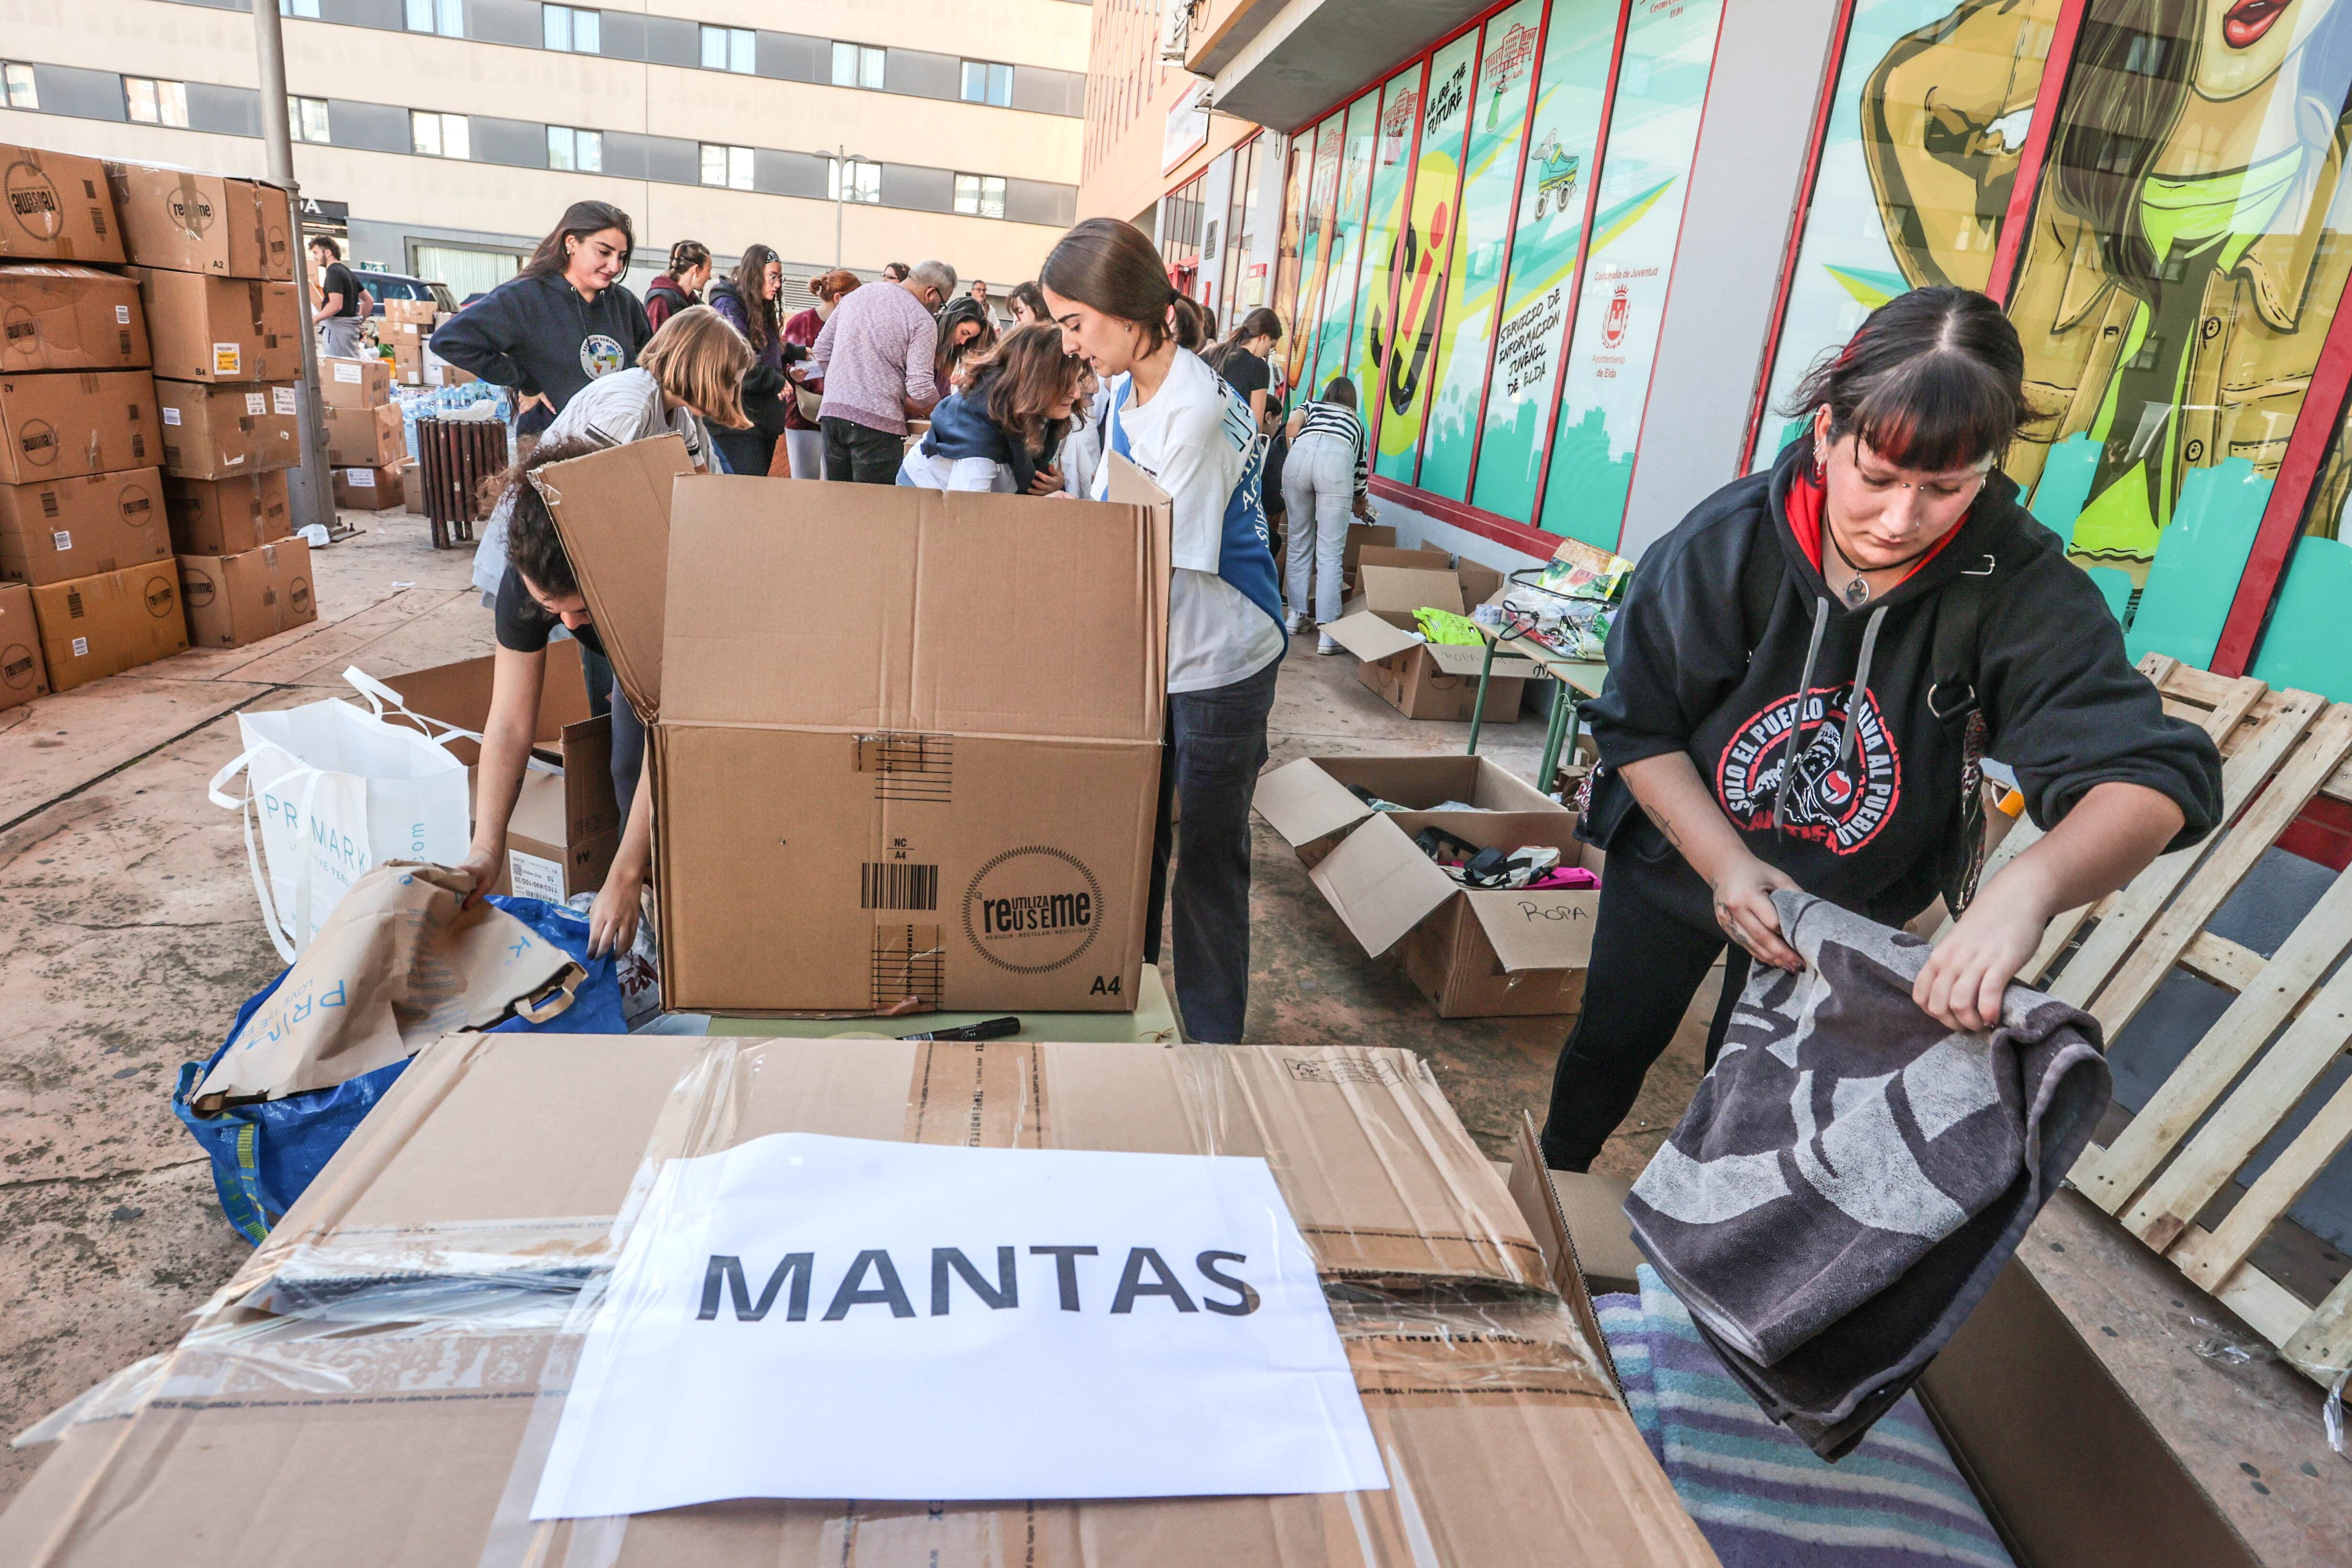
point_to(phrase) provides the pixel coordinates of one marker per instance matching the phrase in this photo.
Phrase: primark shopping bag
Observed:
(337, 791)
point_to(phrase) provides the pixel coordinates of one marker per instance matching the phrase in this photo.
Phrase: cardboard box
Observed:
(856, 764)
(1358, 535)
(219, 430)
(544, 860)
(1312, 802)
(368, 489)
(1419, 679)
(62, 424)
(413, 312)
(207, 328)
(412, 488)
(225, 516)
(24, 675)
(58, 317)
(234, 600)
(1491, 1405)
(187, 222)
(92, 627)
(365, 437)
(354, 384)
(78, 527)
(58, 208)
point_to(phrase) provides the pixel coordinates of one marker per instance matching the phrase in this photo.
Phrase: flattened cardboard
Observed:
(213, 328)
(80, 528)
(55, 315)
(189, 222)
(24, 675)
(612, 511)
(92, 627)
(58, 208)
(220, 431)
(60, 424)
(239, 599)
(1309, 800)
(365, 437)
(223, 517)
(354, 384)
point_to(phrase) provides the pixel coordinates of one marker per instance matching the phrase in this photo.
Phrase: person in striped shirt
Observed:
(1327, 476)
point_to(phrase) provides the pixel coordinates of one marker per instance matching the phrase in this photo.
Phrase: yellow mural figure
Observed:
(2184, 260)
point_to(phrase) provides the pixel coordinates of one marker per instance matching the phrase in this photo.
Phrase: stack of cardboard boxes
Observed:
(365, 441)
(406, 329)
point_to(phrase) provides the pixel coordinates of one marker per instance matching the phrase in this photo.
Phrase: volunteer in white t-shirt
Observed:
(1174, 418)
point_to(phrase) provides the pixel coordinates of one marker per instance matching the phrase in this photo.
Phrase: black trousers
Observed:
(860, 453)
(1647, 964)
(1216, 746)
(745, 451)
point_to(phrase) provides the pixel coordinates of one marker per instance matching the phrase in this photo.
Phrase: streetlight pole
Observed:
(269, 44)
(842, 158)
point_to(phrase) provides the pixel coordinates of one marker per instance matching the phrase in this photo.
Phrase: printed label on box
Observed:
(61, 541)
(256, 403)
(534, 876)
(348, 372)
(81, 647)
(360, 478)
(228, 358)
(123, 315)
(283, 397)
(171, 416)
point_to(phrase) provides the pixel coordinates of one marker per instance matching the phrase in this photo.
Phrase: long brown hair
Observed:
(955, 314)
(701, 361)
(1024, 378)
(762, 317)
(1261, 322)
(580, 220)
(1108, 263)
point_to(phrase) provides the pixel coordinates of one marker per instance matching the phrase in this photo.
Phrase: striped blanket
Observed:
(1759, 1494)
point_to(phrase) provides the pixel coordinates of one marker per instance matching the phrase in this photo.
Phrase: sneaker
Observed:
(1323, 643)
(1294, 622)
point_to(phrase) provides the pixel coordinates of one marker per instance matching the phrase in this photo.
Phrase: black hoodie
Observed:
(537, 335)
(1711, 646)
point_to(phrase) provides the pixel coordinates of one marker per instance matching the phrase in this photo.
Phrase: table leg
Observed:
(1563, 715)
(1478, 714)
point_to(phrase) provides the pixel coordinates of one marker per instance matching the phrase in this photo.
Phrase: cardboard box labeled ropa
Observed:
(78, 527)
(1491, 1403)
(24, 675)
(354, 384)
(225, 517)
(1421, 679)
(371, 437)
(92, 627)
(911, 738)
(210, 329)
(368, 489)
(188, 222)
(1312, 802)
(62, 424)
(58, 317)
(222, 430)
(58, 208)
(234, 600)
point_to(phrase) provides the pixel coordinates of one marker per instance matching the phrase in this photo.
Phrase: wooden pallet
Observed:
(2229, 1094)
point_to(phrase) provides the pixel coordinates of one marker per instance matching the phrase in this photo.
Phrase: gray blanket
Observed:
(1851, 1175)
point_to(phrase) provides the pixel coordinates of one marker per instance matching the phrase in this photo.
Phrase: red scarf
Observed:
(1808, 507)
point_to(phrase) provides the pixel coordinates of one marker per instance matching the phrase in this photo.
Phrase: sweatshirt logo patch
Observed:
(600, 355)
(1841, 807)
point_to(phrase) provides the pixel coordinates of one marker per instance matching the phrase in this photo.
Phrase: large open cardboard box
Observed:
(1420, 679)
(1312, 801)
(905, 744)
(335, 1437)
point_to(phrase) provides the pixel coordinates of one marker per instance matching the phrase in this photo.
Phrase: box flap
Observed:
(1403, 590)
(1537, 928)
(1370, 637)
(1302, 803)
(1380, 883)
(612, 509)
(1426, 557)
(1461, 659)
(1479, 584)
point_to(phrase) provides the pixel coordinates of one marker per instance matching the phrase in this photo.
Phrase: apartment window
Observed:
(728, 166)
(571, 29)
(979, 195)
(306, 118)
(309, 9)
(855, 65)
(864, 180)
(437, 135)
(579, 151)
(986, 83)
(21, 92)
(728, 49)
(153, 102)
(446, 18)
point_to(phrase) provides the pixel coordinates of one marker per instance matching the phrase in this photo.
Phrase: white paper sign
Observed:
(806, 1316)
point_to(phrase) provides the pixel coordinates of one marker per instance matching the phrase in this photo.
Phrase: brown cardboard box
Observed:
(225, 516)
(188, 222)
(92, 627)
(55, 315)
(58, 208)
(368, 489)
(24, 675)
(222, 430)
(234, 600)
(543, 860)
(917, 799)
(411, 490)
(207, 329)
(416, 312)
(1425, 680)
(1312, 801)
(78, 527)
(354, 384)
(62, 424)
(1488, 1397)
(1358, 535)
(365, 437)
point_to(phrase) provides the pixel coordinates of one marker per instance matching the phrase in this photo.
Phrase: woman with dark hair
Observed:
(1802, 680)
(563, 321)
(750, 300)
(1240, 358)
(1028, 305)
(1170, 415)
(1003, 428)
(681, 285)
(965, 331)
(1328, 479)
(803, 438)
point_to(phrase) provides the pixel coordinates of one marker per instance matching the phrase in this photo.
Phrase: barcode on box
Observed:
(61, 539)
(81, 647)
(895, 884)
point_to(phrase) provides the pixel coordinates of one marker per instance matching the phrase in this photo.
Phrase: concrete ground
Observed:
(130, 933)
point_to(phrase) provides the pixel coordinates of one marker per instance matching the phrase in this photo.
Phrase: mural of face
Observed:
(2241, 44)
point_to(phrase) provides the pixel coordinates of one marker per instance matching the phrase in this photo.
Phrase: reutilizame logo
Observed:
(33, 200)
(1032, 909)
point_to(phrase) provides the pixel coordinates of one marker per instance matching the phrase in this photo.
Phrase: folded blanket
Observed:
(1761, 1498)
(1851, 1175)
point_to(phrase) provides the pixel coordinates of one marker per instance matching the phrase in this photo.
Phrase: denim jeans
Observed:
(1319, 482)
(1216, 746)
(861, 454)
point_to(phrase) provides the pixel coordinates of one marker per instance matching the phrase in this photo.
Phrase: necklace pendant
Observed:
(1856, 593)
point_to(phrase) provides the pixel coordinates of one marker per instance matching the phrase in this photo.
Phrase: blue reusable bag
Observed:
(264, 1154)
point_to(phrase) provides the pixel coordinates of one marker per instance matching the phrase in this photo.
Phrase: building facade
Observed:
(1576, 254)
(443, 137)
